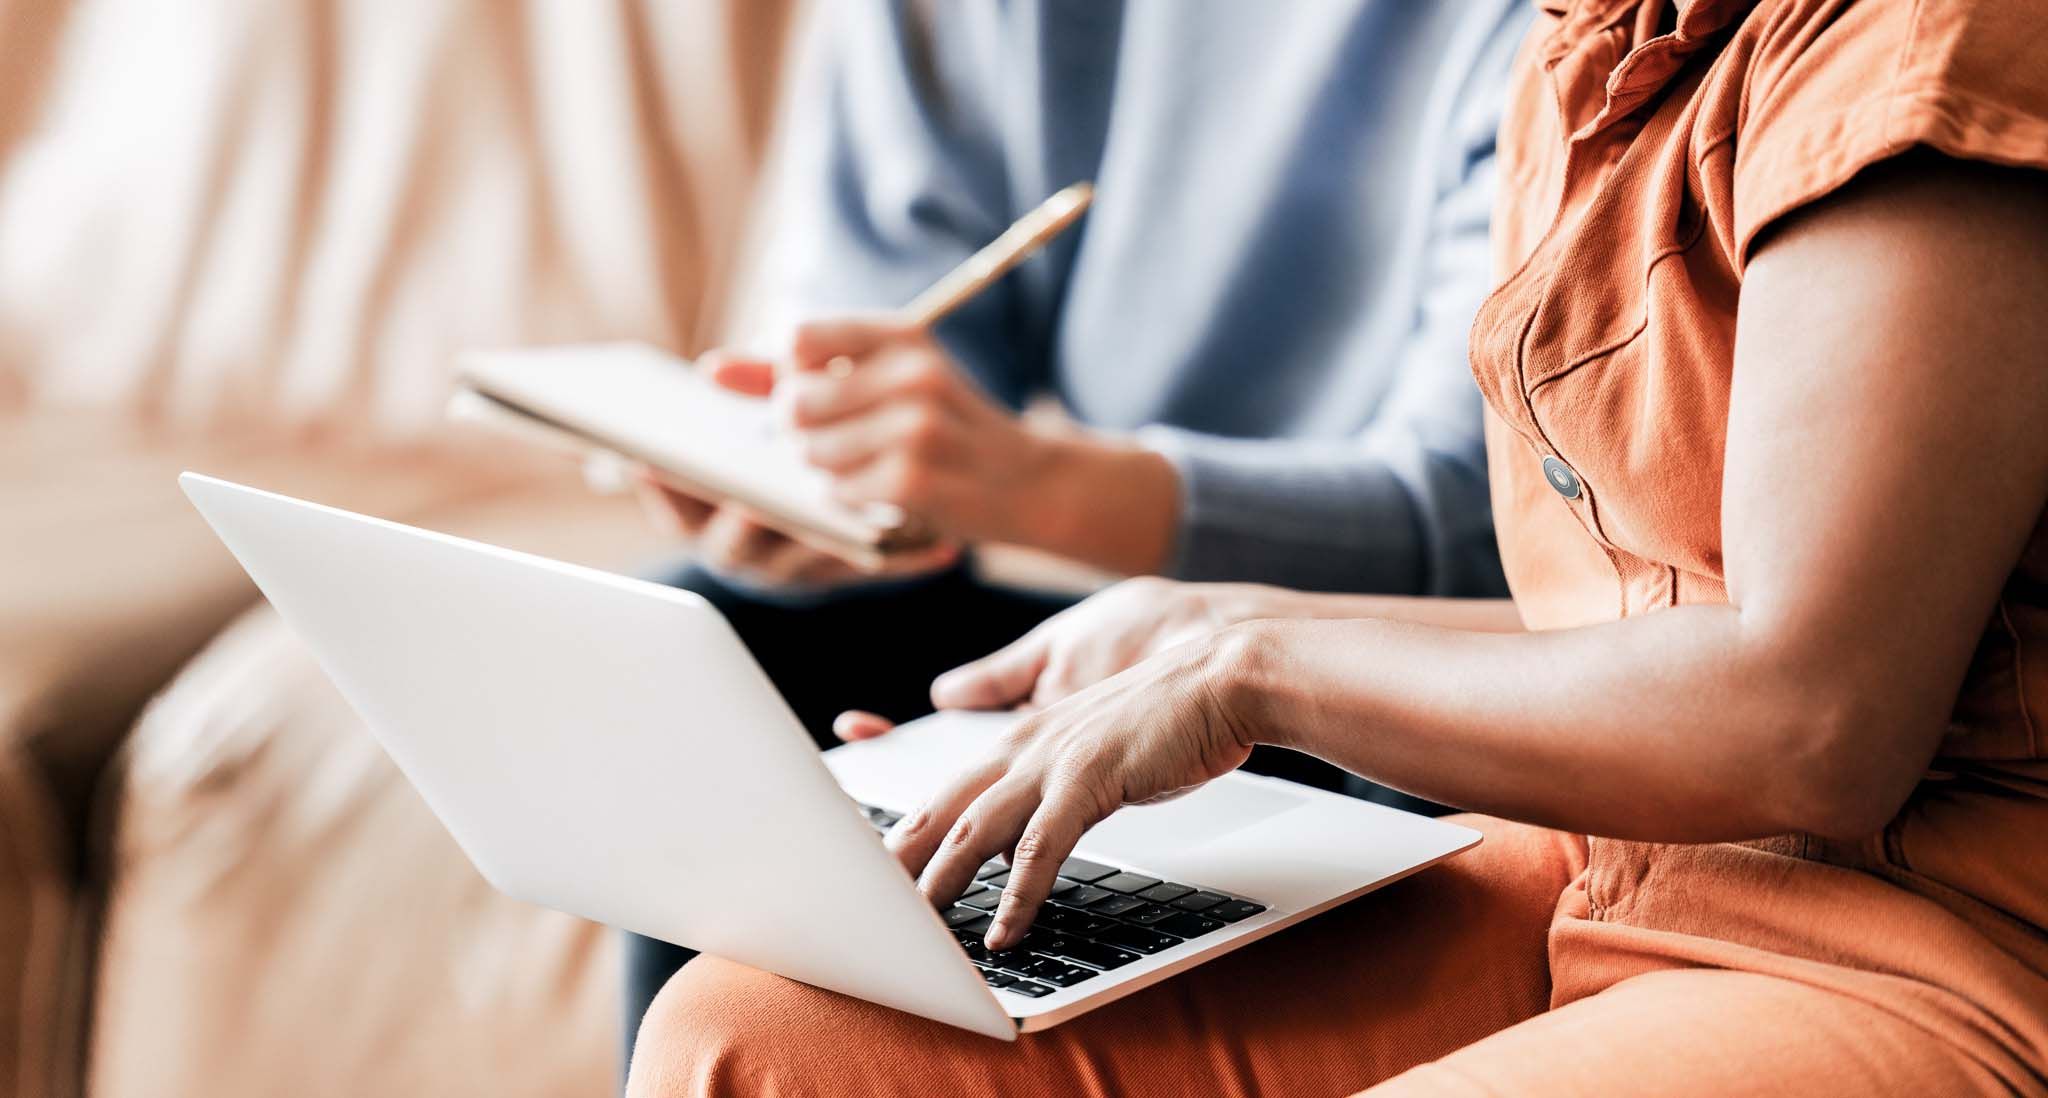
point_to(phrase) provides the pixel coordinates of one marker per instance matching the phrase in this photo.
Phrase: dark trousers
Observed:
(878, 648)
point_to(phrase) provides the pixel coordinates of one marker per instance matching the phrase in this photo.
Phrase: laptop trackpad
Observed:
(1217, 809)
(905, 767)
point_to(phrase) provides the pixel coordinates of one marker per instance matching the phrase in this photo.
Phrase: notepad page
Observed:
(655, 407)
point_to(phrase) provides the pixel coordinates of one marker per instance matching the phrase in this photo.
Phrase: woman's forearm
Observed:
(1226, 604)
(1671, 727)
(1247, 601)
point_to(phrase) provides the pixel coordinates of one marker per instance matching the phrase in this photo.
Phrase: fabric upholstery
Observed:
(288, 918)
(111, 581)
(248, 237)
(304, 209)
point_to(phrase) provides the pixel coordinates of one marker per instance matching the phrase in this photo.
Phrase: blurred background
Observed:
(246, 237)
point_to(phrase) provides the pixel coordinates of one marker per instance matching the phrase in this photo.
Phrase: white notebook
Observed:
(653, 408)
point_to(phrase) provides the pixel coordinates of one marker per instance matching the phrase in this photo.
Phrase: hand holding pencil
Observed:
(877, 402)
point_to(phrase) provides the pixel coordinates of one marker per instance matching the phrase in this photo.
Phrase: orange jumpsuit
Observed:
(1645, 146)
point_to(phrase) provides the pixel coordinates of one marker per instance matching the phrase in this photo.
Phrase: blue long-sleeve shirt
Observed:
(1276, 280)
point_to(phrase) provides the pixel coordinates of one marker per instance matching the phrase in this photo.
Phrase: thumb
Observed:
(740, 373)
(997, 681)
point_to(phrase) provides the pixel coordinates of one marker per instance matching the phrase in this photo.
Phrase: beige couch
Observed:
(245, 236)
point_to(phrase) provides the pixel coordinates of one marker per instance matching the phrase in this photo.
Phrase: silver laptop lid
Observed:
(601, 746)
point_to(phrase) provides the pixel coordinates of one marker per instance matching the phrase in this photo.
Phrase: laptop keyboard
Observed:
(1099, 918)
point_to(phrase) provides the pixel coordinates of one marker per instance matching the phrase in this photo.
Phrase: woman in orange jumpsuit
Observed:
(1760, 742)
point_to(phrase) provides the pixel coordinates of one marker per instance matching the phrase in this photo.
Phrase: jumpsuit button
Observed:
(1561, 477)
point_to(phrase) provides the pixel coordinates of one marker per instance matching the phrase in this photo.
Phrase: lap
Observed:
(1706, 1032)
(1403, 976)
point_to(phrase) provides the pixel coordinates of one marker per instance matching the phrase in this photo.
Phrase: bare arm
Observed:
(1885, 466)
(1473, 615)
(1886, 463)
(1139, 618)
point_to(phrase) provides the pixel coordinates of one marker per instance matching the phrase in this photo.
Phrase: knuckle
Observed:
(917, 823)
(961, 834)
(1072, 779)
(1031, 846)
(1062, 760)
(1013, 903)
(1016, 737)
(1067, 773)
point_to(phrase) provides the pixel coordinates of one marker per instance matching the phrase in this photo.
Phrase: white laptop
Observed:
(607, 747)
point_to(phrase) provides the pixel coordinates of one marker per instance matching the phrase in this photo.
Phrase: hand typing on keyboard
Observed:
(1087, 643)
(1098, 918)
(1159, 728)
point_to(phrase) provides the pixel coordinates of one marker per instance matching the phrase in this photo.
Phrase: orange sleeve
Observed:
(1844, 86)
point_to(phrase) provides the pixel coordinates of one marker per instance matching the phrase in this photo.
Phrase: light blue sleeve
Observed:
(1402, 507)
(891, 171)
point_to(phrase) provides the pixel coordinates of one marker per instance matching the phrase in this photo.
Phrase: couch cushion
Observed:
(287, 917)
(109, 579)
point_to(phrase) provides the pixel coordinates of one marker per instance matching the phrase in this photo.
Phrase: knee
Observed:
(720, 1028)
(695, 1037)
